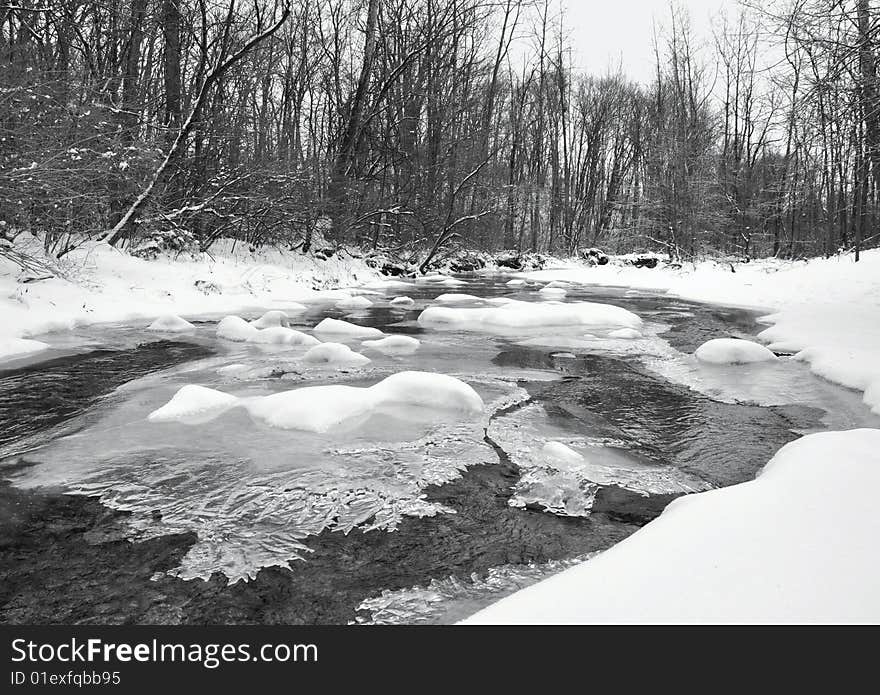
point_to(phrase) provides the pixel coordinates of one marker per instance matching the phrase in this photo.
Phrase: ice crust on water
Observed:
(394, 345)
(518, 315)
(402, 301)
(336, 326)
(323, 408)
(16, 347)
(563, 475)
(171, 323)
(335, 354)
(732, 351)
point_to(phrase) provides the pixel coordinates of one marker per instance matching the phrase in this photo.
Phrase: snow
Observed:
(559, 453)
(100, 284)
(171, 323)
(516, 314)
(402, 301)
(321, 409)
(336, 354)
(17, 347)
(394, 345)
(797, 544)
(516, 283)
(825, 310)
(273, 318)
(235, 328)
(354, 303)
(624, 334)
(732, 351)
(353, 330)
(552, 292)
(279, 335)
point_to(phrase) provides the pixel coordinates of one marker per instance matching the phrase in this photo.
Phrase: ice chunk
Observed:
(394, 345)
(457, 298)
(357, 302)
(171, 323)
(402, 301)
(732, 351)
(279, 335)
(516, 314)
(336, 354)
(16, 347)
(624, 334)
(193, 405)
(329, 325)
(552, 292)
(561, 455)
(235, 328)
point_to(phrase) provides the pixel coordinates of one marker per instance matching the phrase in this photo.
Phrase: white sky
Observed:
(608, 33)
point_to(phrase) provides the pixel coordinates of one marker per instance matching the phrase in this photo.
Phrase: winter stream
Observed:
(403, 513)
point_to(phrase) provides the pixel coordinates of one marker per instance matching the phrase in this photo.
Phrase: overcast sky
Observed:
(605, 33)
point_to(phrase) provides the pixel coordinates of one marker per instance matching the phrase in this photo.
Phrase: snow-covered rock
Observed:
(516, 282)
(171, 323)
(193, 405)
(732, 351)
(339, 327)
(235, 328)
(402, 301)
(394, 345)
(273, 318)
(356, 302)
(515, 315)
(335, 354)
(624, 334)
(279, 335)
(552, 292)
(796, 545)
(18, 347)
(321, 409)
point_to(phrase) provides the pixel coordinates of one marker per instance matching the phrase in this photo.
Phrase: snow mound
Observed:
(235, 328)
(558, 454)
(171, 323)
(16, 347)
(273, 318)
(279, 335)
(516, 283)
(193, 405)
(516, 314)
(321, 409)
(336, 354)
(732, 351)
(356, 302)
(394, 345)
(624, 334)
(429, 390)
(402, 301)
(797, 544)
(457, 298)
(339, 327)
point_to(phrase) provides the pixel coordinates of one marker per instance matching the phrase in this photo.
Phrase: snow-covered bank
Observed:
(827, 311)
(106, 285)
(798, 544)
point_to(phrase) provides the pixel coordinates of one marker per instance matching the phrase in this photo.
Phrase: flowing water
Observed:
(409, 516)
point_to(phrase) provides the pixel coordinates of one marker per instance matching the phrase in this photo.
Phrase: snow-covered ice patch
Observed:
(732, 351)
(394, 345)
(18, 347)
(457, 298)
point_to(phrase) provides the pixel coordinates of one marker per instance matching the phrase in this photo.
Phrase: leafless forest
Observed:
(418, 126)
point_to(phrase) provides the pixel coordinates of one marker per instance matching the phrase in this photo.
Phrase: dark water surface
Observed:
(69, 558)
